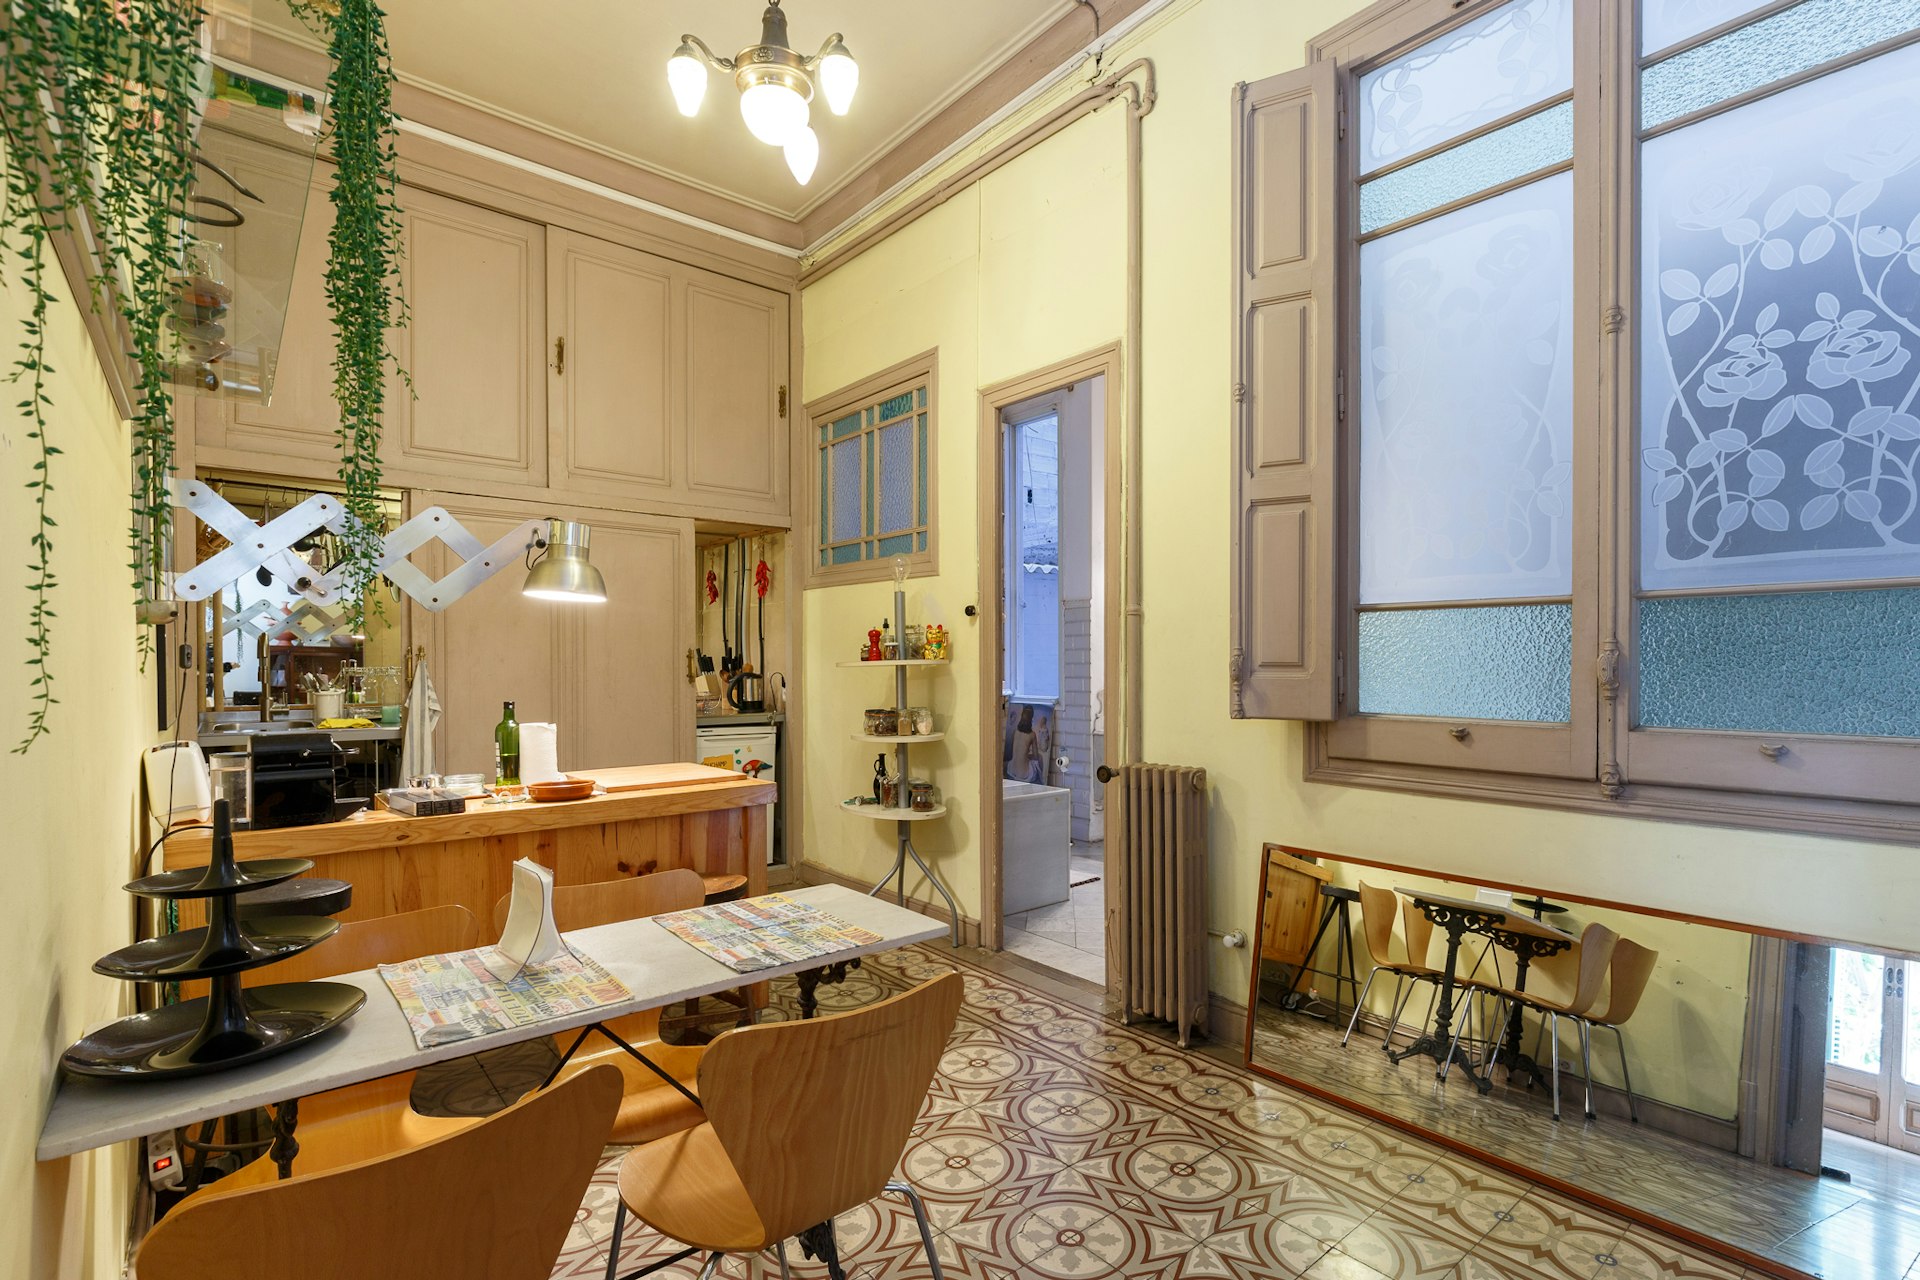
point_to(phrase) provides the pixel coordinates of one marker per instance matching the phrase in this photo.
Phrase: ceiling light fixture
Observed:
(775, 83)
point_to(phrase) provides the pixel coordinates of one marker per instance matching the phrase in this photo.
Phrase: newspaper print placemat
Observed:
(764, 932)
(456, 996)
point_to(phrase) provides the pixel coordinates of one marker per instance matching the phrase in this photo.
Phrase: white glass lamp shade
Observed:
(773, 112)
(687, 77)
(839, 78)
(803, 153)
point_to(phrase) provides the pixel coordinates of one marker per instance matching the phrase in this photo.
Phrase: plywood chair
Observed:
(1378, 907)
(373, 1118)
(650, 1106)
(491, 1202)
(1592, 955)
(805, 1120)
(1631, 970)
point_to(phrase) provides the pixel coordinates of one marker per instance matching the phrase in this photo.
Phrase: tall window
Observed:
(1032, 540)
(1627, 506)
(873, 445)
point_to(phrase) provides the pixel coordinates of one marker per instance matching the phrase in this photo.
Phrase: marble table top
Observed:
(656, 967)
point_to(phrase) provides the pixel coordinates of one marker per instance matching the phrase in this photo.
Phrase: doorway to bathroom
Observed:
(1046, 579)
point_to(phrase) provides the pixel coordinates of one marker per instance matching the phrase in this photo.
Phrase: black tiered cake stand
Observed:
(230, 1026)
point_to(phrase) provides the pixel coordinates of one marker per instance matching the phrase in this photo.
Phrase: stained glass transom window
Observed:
(874, 478)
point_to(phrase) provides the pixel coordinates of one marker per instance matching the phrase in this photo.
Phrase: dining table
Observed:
(1527, 938)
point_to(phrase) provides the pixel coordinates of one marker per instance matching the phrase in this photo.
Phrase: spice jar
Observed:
(890, 792)
(921, 796)
(882, 722)
(922, 718)
(913, 642)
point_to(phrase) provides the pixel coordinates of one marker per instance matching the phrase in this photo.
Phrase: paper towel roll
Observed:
(539, 755)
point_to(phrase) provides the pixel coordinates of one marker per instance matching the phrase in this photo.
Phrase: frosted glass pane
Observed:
(847, 512)
(920, 452)
(1857, 1007)
(896, 478)
(1665, 23)
(1792, 40)
(1781, 285)
(1511, 662)
(1522, 147)
(1466, 403)
(1500, 63)
(1815, 662)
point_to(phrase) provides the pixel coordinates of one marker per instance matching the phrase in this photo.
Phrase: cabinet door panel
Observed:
(475, 345)
(736, 366)
(492, 646)
(613, 404)
(629, 672)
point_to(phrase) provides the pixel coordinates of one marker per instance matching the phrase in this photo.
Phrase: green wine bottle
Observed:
(506, 749)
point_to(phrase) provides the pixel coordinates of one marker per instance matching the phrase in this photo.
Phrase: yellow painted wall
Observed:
(1684, 1040)
(943, 282)
(71, 803)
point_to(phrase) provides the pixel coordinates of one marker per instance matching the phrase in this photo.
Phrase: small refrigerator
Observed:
(752, 749)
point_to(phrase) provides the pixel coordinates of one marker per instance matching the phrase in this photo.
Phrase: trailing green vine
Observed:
(363, 268)
(96, 118)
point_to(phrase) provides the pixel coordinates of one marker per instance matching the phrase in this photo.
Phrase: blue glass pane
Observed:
(846, 426)
(899, 406)
(1780, 275)
(898, 545)
(1816, 662)
(920, 453)
(896, 478)
(923, 542)
(846, 490)
(921, 397)
(1493, 66)
(1790, 41)
(847, 555)
(1537, 142)
(1508, 662)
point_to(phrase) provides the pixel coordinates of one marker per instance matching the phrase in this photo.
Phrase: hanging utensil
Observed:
(726, 637)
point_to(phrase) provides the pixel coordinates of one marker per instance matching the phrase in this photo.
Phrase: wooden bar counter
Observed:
(401, 864)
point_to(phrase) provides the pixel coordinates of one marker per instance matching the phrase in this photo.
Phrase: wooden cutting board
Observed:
(645, 777)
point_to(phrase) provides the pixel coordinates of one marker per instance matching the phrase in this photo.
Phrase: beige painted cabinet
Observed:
(612, 676)
(474, 344)
(667, 383)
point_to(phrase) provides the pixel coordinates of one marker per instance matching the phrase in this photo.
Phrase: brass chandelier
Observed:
(776, 85)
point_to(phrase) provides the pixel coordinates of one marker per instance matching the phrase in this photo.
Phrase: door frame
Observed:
(1114, 434)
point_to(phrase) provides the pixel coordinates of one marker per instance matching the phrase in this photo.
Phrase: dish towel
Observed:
(539, 752)
(423, 717)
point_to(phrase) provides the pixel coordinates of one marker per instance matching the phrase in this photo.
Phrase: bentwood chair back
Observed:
(650, 1106)
(805, 1120)
(1632, 969)
(492, 1202)
(1378, 907)
(375, 1117)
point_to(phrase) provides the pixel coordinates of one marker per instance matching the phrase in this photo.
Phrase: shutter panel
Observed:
(1286, 411)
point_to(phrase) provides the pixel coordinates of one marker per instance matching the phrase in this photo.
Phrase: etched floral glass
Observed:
(1466, 403)
(1500, 63)
(1780, 296)
(1665, 23)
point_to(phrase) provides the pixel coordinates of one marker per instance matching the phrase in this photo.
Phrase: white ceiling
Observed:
(595, 72)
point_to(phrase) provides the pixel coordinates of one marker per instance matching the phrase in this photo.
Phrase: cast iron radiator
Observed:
(1163, 894)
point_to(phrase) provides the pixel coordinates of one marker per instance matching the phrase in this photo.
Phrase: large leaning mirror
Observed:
(1750, 1091)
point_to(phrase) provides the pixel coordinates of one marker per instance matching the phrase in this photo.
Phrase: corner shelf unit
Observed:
(903, 819)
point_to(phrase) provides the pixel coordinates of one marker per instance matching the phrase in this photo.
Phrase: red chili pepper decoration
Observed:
(762, 578)
(713, 586)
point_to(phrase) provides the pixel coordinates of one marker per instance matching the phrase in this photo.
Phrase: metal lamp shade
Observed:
(564, 573)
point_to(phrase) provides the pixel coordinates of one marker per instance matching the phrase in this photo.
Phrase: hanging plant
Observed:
(363, 267)
(96, 116)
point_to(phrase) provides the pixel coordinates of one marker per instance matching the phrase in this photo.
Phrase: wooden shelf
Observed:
(878, 814)
(908, 739)
(899, 662)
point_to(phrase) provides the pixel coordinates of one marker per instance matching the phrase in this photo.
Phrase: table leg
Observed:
(285, 1146)
(1435, 1043)
(1517, 1062)
(810, 980)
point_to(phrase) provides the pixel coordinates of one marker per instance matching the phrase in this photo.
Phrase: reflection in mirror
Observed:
(261, 633)
(1755, 1092)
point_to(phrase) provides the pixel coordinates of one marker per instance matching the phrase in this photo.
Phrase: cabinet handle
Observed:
(560, 356)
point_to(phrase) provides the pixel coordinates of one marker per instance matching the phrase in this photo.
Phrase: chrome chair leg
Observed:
(1633, 1105)
(1553, 1038)
(780, 1251)
(712, 1268)
(613, 1248)
(920, 1219)
(1453, 1045)
(1586, 1060)
(1364, 988)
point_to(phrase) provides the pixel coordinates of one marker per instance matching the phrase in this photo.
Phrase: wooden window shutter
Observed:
(1286, 401)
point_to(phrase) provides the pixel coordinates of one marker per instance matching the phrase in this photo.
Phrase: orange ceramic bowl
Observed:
(571, 789)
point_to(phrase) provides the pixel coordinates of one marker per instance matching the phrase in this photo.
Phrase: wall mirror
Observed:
(1753, 1092)
(261, 634)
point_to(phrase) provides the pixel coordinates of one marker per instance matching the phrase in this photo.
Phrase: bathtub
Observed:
(1035, 842)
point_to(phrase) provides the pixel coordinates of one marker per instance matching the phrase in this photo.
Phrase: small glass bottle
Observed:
(506, 749)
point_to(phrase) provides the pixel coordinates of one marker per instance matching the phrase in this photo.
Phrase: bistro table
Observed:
(1527, 938)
